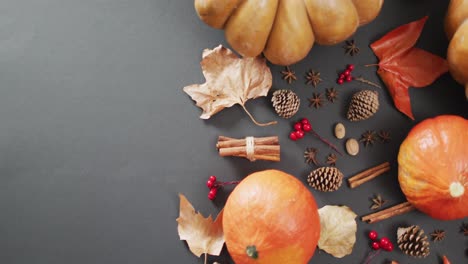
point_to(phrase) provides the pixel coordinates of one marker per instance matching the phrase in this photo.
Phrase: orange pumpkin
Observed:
(269, 218)
(433, 167)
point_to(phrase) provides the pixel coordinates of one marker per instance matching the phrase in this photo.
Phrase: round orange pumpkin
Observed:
(456, 27)
(285, 30)
(433, 167)
(271, 218)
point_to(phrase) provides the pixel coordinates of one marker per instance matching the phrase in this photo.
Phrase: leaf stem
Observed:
(371, 65)
(360, 79)
(255, 121)
(206, 258)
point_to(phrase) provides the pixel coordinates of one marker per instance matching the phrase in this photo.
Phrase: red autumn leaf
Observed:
(402, 65)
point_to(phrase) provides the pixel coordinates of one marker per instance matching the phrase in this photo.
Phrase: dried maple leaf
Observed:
(402, 65)
(230, 80)
(337, 230)
(203, 235)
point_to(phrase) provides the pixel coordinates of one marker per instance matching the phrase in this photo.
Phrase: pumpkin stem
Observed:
(252, 252)
(456, 189)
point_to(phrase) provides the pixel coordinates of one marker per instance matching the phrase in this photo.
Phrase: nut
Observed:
(340, 131)
(352, 147)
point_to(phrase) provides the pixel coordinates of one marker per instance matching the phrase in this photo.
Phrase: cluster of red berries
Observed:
(211, 184)
(214, 185)
(384, 243)
(300, 128)
(346, 76)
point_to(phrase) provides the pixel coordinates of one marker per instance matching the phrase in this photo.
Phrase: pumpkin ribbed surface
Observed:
(456, 27)
(433, 167)
(271, 218)
(285, 30)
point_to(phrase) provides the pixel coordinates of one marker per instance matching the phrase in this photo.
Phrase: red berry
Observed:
(347, 73)
(384, 242)
(342, 76)
(350, 67)
(340, 81)
(307, 127)
(210, 184)
(299, 134)
(375, 245)
(211, 196)
(389, 247)
(293, 136)
(373, 235)
(298, 126)
(305, 121)
(212, 178)
(349, 78)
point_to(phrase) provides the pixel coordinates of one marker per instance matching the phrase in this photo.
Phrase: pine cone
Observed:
(286, 103)
(412, 241)
(325, 179)
(364, 104)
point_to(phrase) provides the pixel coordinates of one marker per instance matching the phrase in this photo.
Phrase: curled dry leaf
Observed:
(338, 230)
(402, 65)
(203, 235)
(230, 80)
(445, 260)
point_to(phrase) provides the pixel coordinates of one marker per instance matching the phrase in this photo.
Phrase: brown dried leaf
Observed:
(338, 230)
(230, 80)
(203, 236)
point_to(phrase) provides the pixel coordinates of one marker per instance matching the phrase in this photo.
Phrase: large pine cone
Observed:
(412, 241)
(286, 103)
(325, 179)
(364, 104)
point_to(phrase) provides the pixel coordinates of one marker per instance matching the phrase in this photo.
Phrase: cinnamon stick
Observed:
(368, 174)
(225, 142)
(264, 148)
(388, 213)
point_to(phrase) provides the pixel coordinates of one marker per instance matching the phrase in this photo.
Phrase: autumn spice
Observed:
(438, 235)
(368, 174)
(377, 202)
(351, 48)
(316, 100)
(264, 148)
(313, 78)
(288, 75)
(368, 138)
(310, 156)
(332, 94)
(388, 213)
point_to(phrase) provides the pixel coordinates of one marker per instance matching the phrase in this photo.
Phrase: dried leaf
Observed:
(338, 230)
(402, 65)
(203, 236)
(230, 80)
(445, 260)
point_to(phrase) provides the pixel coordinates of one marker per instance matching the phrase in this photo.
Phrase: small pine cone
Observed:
(364, 104)
(412, 241)
(325, 179)
(286, 103)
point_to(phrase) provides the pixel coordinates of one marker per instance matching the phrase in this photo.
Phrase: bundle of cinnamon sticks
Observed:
(263, 148)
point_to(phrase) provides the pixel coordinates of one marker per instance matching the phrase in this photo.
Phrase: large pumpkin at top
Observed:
(433, 167)
(456, 27)
(285, 30)
(271, 218)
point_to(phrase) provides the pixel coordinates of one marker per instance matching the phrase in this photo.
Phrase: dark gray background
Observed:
(97, 138)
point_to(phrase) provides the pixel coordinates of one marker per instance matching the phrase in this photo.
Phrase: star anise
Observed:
(377, 202)
(351, 47)
(464, 229)
(438, 235)
(310, 156)
(316, 100)
(368, 138)
(288, 75)
(384, 136)
(332, 94)
(313, 78)
(331, 159)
